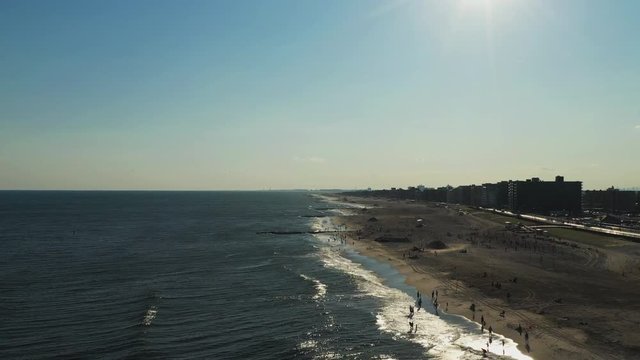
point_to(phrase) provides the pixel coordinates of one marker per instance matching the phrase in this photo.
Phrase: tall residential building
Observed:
(495, 195)
(545, 197)
(612, 200)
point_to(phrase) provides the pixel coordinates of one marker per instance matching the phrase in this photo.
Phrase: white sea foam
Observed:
(321, 288)
(308, 344)
(441, 337)
(149, 316)
(329, 356)
(386, 357)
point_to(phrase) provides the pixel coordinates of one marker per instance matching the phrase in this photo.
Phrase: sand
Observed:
(576, 300)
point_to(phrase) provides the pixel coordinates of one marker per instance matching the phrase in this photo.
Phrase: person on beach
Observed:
(490, 330)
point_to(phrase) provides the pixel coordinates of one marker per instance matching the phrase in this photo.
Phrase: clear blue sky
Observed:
(312, 94)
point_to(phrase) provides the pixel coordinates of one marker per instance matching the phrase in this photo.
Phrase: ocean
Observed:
(169, 275)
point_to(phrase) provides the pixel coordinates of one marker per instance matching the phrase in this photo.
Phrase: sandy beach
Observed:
(563, 295)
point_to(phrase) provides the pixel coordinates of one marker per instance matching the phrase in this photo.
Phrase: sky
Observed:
(281, 94)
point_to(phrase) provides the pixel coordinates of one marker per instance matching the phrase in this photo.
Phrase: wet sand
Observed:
(576, 300)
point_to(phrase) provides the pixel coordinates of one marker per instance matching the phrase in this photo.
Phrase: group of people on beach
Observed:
(434, 300)
(340, 238)
(418, 305)
(413, 328)
(526, 337)
(483, 324)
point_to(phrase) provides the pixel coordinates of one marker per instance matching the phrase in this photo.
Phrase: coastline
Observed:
(442, 335)
(452, 294)
(430, 271)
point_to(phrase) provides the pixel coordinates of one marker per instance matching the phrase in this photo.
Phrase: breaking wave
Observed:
(321, 288)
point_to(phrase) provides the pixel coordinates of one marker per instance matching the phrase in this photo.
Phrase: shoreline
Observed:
(447, 270)
(464, 337)
(425, 282)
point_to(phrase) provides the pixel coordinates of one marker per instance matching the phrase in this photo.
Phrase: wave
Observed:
(443, 336)
(255, 266)
(321, 288)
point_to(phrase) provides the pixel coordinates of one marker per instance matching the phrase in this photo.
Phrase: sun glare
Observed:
(472, 5)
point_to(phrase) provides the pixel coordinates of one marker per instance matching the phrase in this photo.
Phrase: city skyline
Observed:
(226, 95)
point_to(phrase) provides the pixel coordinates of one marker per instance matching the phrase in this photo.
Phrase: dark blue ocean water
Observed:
(179, 275)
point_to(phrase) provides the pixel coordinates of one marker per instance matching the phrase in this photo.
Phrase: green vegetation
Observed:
(587, 238)
(578, 236)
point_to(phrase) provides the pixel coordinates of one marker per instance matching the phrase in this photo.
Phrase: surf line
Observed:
(303, 232)
(441, 333)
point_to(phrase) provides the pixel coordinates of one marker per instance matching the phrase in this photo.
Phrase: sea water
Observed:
(161, 275)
